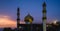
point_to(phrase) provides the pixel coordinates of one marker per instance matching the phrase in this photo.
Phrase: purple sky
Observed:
(34, 7)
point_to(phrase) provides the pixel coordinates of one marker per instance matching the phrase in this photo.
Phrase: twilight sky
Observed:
(34, 7)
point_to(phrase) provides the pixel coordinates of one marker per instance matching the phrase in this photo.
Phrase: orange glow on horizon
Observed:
(5, 21)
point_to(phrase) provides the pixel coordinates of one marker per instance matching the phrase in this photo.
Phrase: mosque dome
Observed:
(28, 18)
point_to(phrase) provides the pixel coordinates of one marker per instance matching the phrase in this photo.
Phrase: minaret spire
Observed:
(18, 18)
(44, 16)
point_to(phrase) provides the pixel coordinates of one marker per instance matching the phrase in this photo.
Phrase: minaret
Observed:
(18, 18)
(44, 16)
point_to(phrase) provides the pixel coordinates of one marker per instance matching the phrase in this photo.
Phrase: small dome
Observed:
(28, 18)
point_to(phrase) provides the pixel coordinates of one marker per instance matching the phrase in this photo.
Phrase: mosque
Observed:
(28, 26)
(29, 19)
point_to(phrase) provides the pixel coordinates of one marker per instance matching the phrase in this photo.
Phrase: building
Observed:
(44, 18)
(28, 19)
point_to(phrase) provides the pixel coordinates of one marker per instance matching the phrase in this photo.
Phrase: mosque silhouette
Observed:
(34, 27)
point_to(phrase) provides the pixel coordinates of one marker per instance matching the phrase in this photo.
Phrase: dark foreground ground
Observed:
(35, 27)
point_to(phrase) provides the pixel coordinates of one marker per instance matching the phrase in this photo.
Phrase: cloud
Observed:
(5, 21)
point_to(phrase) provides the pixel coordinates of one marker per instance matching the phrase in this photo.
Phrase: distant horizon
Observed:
(8, 11)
